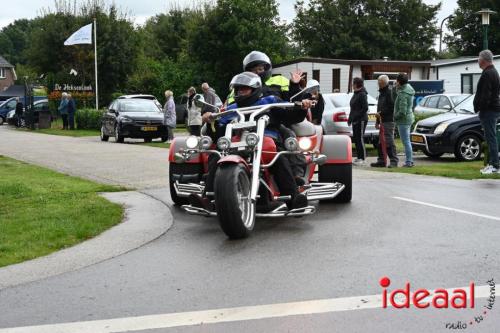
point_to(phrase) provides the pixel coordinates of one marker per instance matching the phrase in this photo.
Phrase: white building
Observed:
(460, 75)
(335, 74)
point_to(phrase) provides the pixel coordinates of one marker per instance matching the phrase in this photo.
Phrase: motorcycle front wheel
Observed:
(235, 210)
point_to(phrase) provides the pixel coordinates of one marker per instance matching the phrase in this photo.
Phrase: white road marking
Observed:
(170, 320)
(449, 208)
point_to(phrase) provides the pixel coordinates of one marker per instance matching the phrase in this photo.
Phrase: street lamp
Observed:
(441, 31)
(485, 18)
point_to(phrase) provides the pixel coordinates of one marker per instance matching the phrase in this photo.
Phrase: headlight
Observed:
(192, 142)
(441, 128)
(223, 143)
(291, 144)
(252, 139)
(206, 142)
(126, 120)
(305, 144)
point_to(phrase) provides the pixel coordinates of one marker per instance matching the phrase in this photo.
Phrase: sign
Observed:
(71, 87)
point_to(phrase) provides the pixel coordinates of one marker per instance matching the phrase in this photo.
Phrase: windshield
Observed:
(458, 99)
(466, 106)
(138, 105)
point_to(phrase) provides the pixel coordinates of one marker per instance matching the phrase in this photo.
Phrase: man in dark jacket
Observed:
(385, 118)
(358, 118)
(487, 104)
(19, 112)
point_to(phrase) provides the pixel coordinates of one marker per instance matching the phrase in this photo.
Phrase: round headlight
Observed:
(305, 143)
(223, 143)
(252, 139)
(206, 142)
(291, 144)
(192, 142)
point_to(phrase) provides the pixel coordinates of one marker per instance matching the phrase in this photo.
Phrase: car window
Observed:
(458, 99)
(41, 106)
(444, 103)
(11, 104)
(433, 102)
(423, 101)
(137, 105)
(467, 105)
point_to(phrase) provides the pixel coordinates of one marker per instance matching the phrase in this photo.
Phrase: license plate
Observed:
(149, 128)
(417, 138)
(372, 117)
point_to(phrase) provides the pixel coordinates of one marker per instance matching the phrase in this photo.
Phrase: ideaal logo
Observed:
(439, 299)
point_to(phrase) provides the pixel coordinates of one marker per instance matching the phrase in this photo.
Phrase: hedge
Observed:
(89, 119)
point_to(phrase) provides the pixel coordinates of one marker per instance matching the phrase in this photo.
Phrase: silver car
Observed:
(337, 111)
(434, 104)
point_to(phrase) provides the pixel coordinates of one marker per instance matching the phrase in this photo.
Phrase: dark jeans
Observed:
(489, 123)
(71, 120)
(389, 144)
(170, 133)
(194, 130)
(65, 121)
(358, 133)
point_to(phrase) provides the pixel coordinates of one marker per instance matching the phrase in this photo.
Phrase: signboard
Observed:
(72, 87)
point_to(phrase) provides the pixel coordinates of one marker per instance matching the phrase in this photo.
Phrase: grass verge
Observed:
(42, 211)
(56, 129)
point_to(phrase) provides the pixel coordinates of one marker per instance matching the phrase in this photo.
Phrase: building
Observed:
(460, 75)
(334, 74)
(7, 74)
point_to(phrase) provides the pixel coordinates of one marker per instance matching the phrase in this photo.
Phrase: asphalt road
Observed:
(342, 251)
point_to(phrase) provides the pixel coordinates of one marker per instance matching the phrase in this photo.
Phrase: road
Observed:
(431, 232)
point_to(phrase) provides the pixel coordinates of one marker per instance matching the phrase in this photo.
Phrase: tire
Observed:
(181, 169)
(164, 138)
(468, 148)
(342, 173)
(104, 137)
(1, 121)
(118, 138)
(148, 140)
(236, 214)
(432, 155)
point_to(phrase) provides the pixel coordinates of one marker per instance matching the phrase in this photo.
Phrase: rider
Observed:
(248, 92)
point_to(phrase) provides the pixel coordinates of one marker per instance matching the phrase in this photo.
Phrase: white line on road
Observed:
(221, 315)
(449, 208)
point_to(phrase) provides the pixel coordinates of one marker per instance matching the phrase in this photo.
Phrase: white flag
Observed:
(82, 36)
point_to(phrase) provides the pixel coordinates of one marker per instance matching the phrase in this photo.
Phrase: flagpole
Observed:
(95, 64)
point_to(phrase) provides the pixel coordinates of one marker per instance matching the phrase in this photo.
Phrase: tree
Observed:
(366, 29)
(14, 40)
(466, 31)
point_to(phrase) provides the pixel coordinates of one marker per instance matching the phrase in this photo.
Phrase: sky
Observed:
(140, 10)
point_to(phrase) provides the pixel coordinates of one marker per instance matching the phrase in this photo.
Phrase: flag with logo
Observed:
(82, 36)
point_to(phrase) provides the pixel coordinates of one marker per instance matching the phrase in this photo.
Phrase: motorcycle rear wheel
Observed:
(235, 210)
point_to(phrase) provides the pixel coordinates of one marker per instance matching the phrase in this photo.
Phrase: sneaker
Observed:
(358, 161)
(201, 202)
(378, 165)
(488, 170)
(408, 165)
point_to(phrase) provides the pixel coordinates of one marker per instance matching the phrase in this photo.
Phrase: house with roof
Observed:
(7, 74)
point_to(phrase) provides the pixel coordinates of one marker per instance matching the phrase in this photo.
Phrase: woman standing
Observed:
(194, 113)
(358, 118)
(169, 118)
(403, 114)
(63, 110)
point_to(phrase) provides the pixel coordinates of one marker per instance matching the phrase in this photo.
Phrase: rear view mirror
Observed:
(199, 101)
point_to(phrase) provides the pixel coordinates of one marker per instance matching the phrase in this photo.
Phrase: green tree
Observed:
(14, 40)
(366, 29)
(466, 30)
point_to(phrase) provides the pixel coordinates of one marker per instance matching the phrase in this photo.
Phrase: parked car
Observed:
(434, 104)
(40, 105)
(5, 107)
(337, 111)
(133, 118)
(458, 132)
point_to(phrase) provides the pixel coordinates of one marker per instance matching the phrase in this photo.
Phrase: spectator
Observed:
(170, 117)
(319, 106)
(71, 112)
(358, 118)
(210, 97)
(63, 110)
(487, 104)
(19, 112)
(385, 118)
(403, 114)
(194, 113)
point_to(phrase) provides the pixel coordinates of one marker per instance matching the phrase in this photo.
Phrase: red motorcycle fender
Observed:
(178, 144)
(234, 159)
(337, 148)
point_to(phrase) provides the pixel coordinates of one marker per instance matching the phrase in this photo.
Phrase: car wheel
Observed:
(1, 120)
(164, 138)
(432, 155)
(104, 137)
(148, 140)
(118, 137)
(468, 148)
(342, 173)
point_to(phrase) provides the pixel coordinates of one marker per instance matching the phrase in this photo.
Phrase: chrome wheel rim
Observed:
(469, 149)
(244, 203)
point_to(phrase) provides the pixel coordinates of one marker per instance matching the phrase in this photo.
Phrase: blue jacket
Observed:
(63, 107)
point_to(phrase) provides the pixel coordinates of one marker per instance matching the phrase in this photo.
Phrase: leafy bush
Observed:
(88, 119)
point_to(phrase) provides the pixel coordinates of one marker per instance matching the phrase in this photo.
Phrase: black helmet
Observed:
(246, 79)
(256, 58)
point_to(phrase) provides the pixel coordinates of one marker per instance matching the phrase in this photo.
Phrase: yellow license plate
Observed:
(149, 128)
(372, 117)
(417, 138)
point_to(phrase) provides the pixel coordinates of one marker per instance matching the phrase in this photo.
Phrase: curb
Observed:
(145, 220)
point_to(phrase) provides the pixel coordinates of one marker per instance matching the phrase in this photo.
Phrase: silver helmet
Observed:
(256, 58)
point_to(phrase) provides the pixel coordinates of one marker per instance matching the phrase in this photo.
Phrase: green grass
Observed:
(56, 129)
(42, 211)
(459, 170)
(157, 144)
